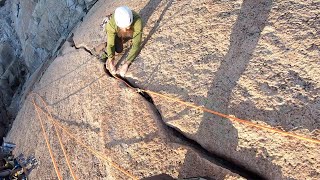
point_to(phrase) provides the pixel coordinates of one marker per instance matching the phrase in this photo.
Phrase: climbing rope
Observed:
(138, 90)
(78, 141)
(60, 141)
(65, 154)
(49, 148)
(232, 118)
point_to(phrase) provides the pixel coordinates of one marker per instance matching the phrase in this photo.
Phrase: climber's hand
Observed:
(124, 68)
(103, 56)
(110, 66)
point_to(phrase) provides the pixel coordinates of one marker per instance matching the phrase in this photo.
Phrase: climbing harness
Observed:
(105, 21)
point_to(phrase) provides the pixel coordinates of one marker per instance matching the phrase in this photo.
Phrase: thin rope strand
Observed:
(48, 146)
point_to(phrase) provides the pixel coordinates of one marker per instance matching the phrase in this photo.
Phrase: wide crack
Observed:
(178, 137)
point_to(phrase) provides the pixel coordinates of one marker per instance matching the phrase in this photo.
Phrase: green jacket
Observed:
(112, 30)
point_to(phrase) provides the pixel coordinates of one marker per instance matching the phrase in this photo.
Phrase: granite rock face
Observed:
(12, 70)
(31, 33)
(108, 117)
(11, 73)
(256, 60)
(253, 59)
(249, 59)
(43, 25)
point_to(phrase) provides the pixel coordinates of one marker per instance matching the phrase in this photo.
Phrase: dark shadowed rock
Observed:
(2, 2)
(6, 54)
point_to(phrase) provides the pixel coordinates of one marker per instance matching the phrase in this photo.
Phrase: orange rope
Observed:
(97, 154)
(79, 142)
(48, 145)
(60, 141)
(65, 154)
(234, 119)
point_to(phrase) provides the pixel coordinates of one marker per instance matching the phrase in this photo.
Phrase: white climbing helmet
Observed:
(123, 17)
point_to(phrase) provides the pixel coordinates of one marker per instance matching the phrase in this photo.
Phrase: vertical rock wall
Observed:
(11, 66)
(43, 25)
(30, 33)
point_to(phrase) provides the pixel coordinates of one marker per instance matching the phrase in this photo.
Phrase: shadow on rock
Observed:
(218, 134)
(159, 177)
(147, 11)
(192, 169)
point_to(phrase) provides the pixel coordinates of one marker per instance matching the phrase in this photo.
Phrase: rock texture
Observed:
(12, 70)
(256, 60)
(2, 2)
(253, 59)
(30, 33)
(43, 25)
(110, 118)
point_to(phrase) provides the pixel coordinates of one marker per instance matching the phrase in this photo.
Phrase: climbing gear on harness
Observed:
(105, 21)
(15, 167)
(123, 17)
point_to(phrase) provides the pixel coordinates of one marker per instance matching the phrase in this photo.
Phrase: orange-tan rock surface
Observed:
(108, 117)
(253, 59)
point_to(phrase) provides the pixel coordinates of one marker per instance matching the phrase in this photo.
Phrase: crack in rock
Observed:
(178, 137)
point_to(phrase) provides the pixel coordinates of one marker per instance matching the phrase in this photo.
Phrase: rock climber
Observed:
(124, 25)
